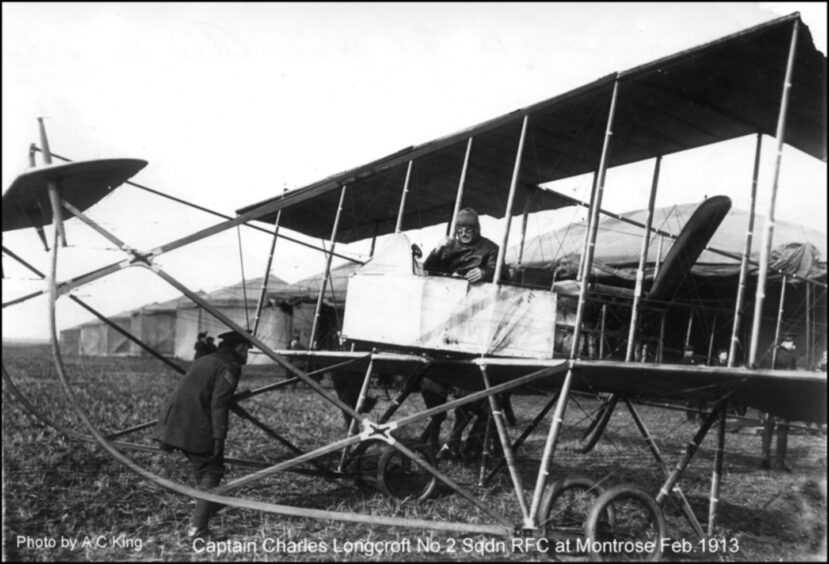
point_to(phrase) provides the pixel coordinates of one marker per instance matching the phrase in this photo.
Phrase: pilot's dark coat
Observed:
(457, 258)
(198, 411)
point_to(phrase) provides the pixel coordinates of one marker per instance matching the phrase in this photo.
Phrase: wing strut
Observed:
(768, 227)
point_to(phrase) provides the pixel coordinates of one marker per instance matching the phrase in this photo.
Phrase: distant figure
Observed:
(821, 365)
(692, 414)
(466, 254)
(688, 355)
(296, 345)
(211, 346)
(201, 345)
(785, 360)
(722, 358)
(195, 420)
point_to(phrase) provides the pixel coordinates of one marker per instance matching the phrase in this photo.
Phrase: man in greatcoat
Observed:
(785, 359)
(195, 421)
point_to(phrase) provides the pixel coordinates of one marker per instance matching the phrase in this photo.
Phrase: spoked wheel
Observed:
(597, 426)
(636, 531)
(399, 477)
(564, 509)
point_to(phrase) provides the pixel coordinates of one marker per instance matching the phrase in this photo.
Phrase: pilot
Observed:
(785, 359)
(466, 254)
(195, 420)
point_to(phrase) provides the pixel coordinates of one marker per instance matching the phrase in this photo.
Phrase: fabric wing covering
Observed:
(721, 90)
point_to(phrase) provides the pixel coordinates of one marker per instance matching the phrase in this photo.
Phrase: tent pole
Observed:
(768, 227)
(315, 324)
(461, 183)
(779, 323)
(264, 289)
(741, 288)
(643, 256)
(402, 209)
(558, 414)
(502, 250)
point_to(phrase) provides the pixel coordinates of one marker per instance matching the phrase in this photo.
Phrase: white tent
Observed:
(155, 325)
(96, 338)
(238, 302)
(70, 341)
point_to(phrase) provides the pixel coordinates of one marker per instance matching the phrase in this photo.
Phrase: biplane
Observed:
(555, 327)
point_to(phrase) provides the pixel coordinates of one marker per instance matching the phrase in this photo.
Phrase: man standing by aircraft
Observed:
(195, 420)
(785, 359)
(200, 346)
(466, 254)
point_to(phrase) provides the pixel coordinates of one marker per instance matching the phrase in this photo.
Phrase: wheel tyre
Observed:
(564, 509)
(636, 517)
(398, 477)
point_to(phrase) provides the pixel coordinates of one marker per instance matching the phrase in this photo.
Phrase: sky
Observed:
(232, 104)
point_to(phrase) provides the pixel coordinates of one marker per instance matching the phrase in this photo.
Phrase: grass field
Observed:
(67, 500)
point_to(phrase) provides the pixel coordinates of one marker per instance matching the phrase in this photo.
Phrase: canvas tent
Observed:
(70, 341)
(300, 299)
(238, 302)
(155, 325)
(619, 244)
(96, 338)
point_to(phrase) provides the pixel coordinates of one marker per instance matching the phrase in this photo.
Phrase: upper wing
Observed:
(721, 90)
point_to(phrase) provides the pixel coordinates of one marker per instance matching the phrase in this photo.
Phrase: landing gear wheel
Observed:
(565, 505)
(597, 426)
(638, 523)
(399, 477)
